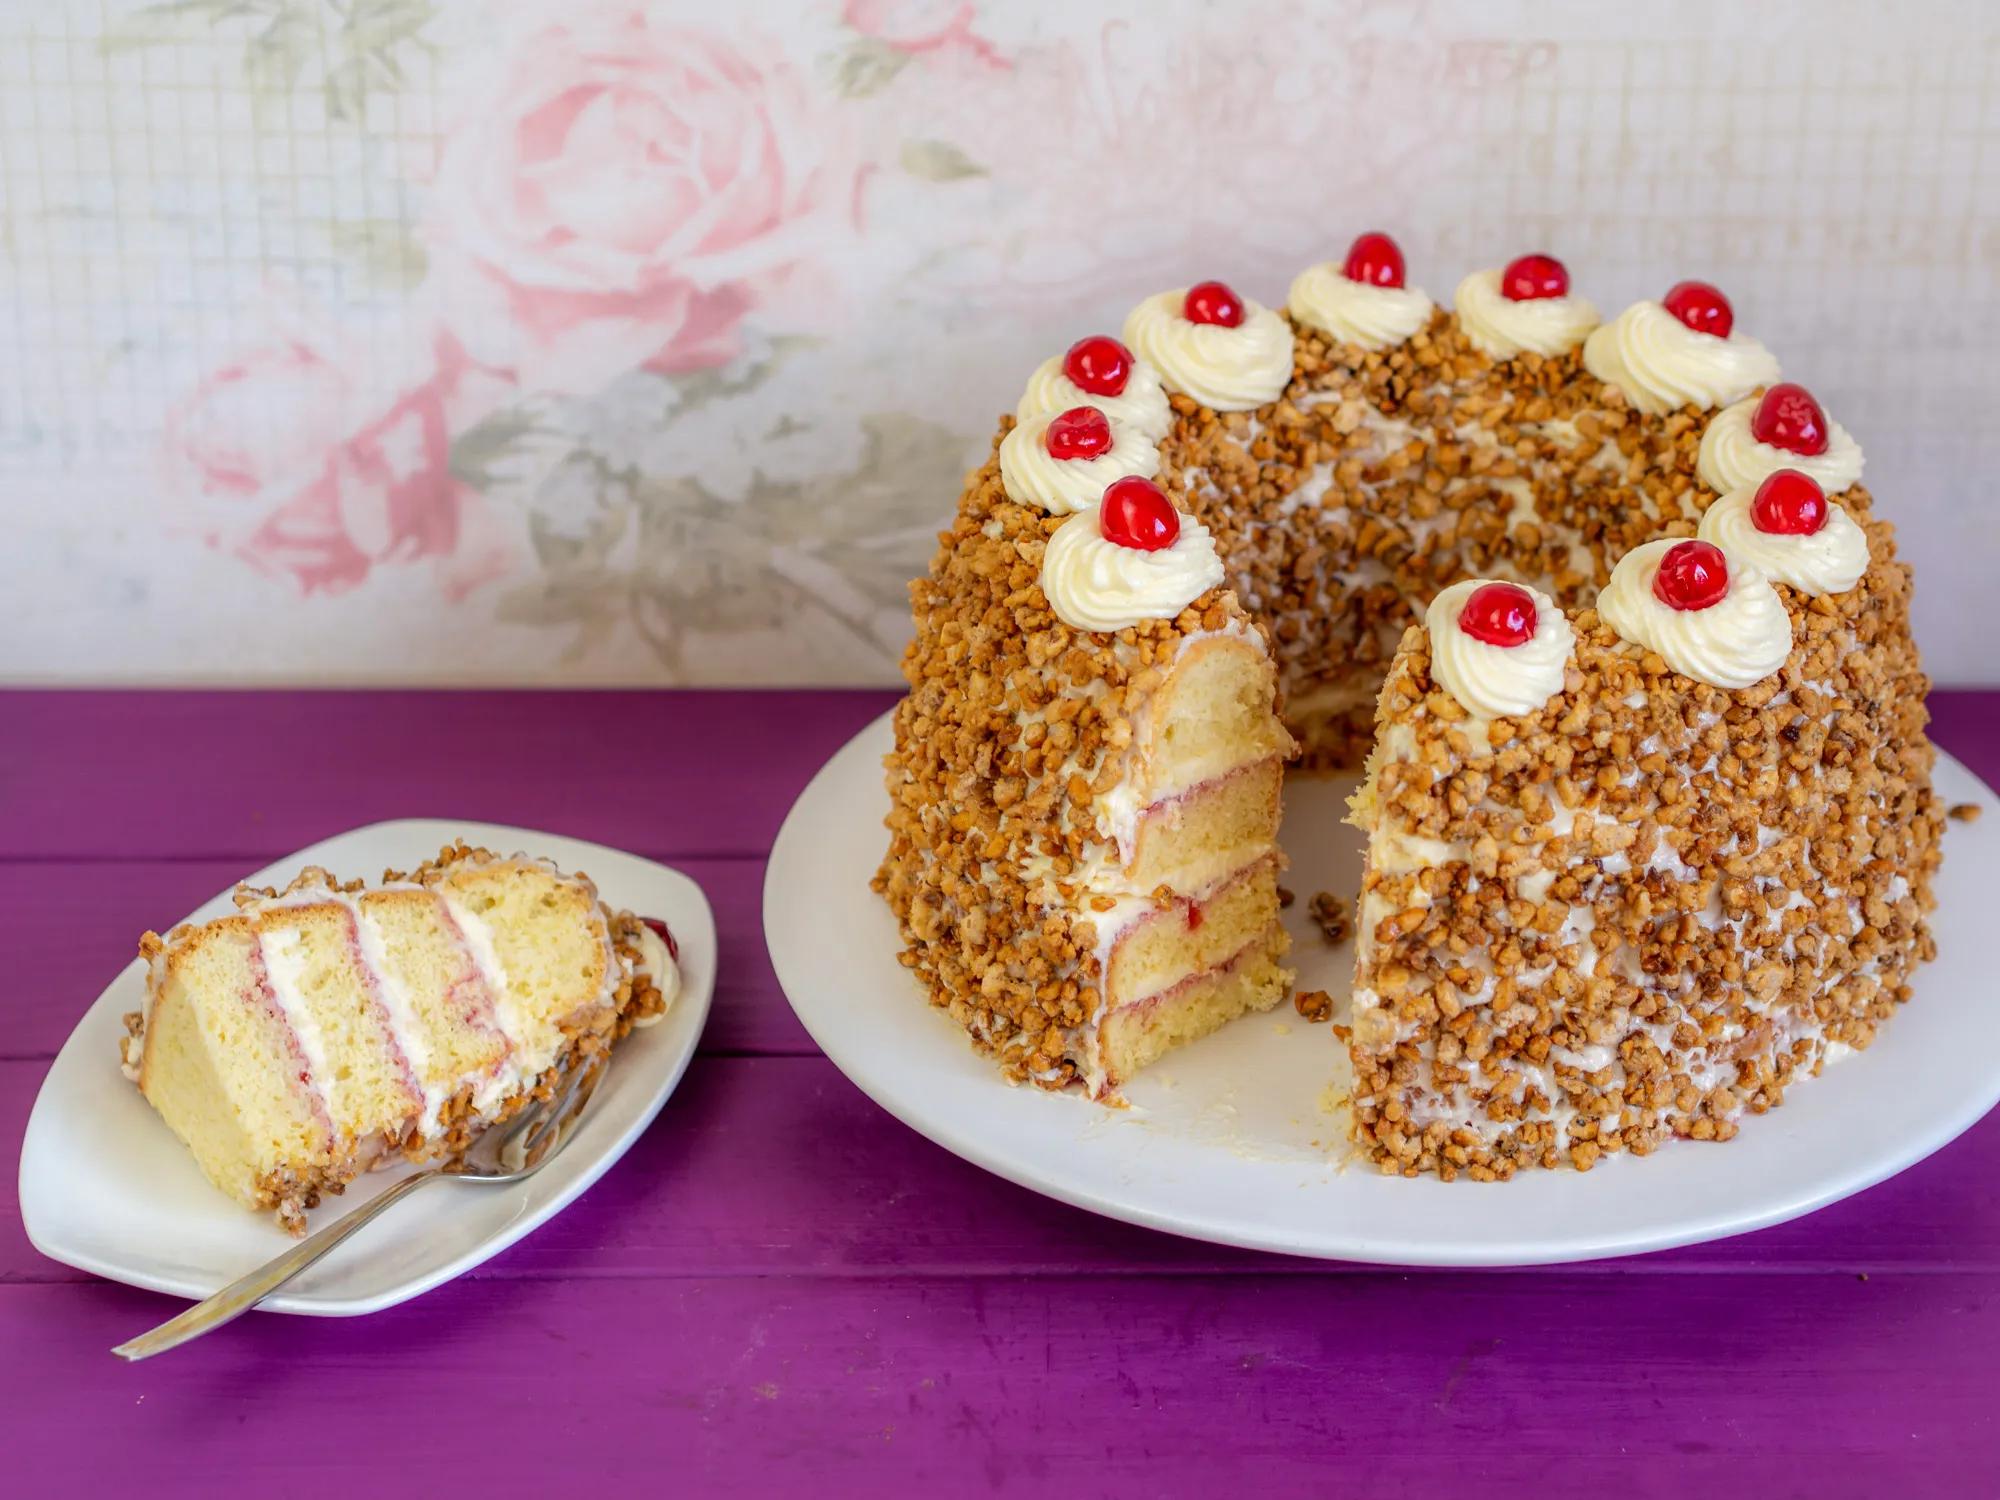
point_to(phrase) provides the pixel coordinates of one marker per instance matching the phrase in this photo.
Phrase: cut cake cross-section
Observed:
(329, 1027)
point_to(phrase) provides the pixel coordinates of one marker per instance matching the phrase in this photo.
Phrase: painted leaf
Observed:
(938, 161)
(570, 602)
(387, 250)
(867, 68)
(558, 547)
(479, 454)
(349, 49)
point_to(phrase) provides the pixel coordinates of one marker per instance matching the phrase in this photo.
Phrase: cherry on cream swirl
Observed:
(1502, 328)
(1353, 312)
(1094, 584)
(1740, 639)
(1731, 457)
(1228, 369)
(1829, 561)
(1032, 475)
(1660, 363)
(1141, 407)
(1498, 681)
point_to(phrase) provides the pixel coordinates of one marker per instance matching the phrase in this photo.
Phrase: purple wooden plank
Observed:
(1366, 1385)
(775, 1166)
(179, 775)
(75, 925)
(781, 1285)
(175, 775)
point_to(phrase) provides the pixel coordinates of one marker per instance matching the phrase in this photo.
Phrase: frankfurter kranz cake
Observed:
(1632, 876)
(1065, 780)
(331, 1027)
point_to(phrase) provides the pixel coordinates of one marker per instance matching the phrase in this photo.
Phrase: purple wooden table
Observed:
(782, 1290)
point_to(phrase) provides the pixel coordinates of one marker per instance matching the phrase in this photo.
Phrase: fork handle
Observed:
(246, 1292)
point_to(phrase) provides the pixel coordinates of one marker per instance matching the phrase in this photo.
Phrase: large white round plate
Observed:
(1228, 1140)
(107, 1188)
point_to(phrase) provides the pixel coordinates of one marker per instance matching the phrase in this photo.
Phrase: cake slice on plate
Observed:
(324, 1029)
(1632, 876)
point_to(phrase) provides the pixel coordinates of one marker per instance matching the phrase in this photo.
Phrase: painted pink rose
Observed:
(625, 193)
(278, 458)
(918, 26)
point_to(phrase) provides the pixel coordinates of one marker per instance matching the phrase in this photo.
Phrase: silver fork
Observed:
(511, 1154)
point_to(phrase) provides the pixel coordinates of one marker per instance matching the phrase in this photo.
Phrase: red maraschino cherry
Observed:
(1701, 307)
(1374, 260)
(1534, 278)
(1212, 302)
(1080, 432)
(1788, 503)
(1693, 575)
(1136, 513)
(1789, 418)
(1099, 364)
(1500, 614)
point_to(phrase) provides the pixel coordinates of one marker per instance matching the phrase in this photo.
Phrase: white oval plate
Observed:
(107, 1187)
(1228, 1140)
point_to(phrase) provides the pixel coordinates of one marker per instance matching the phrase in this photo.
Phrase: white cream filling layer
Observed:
(403, 1023)
(283, 951)
(518, 1064)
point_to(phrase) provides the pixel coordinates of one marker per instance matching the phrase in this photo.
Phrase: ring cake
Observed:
(1603, 606)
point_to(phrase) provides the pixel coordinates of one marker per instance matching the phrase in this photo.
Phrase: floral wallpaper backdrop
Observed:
(647, 341)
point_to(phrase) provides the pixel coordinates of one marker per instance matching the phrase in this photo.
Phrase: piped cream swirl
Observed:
(1353, 312)
(1034, 476)
(1502, 328)
(1229, 369)
(1740, 639)
(1660, 363)
(1094, 584)
(1498, 681)
(1141, 407)
(1731, 457)
(1830, 561)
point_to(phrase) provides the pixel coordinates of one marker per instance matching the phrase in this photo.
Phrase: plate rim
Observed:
(697, 998)
(1356, 1248)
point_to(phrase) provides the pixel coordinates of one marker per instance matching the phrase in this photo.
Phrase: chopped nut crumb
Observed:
(1314, 1005)
(1330, 912)
(1966, 812)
